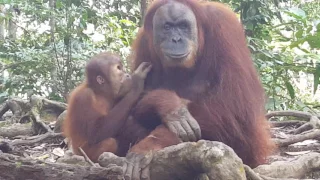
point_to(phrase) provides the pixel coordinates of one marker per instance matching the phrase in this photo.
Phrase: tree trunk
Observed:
(12, 27)
(143, 8)
(52, 23)
(2, 22)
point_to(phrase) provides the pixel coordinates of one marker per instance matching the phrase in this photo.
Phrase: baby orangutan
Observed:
(100, 106)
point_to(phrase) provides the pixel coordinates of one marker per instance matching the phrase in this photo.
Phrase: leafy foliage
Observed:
(284, 39)
(57, 40)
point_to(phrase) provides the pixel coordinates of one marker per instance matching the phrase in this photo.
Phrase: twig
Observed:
(87, 158)
(251, 174)
(24, 29)
(14, 65)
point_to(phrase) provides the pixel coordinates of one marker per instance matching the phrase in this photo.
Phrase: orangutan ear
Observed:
(100, 79)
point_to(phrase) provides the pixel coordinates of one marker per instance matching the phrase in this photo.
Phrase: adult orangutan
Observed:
(202, 77)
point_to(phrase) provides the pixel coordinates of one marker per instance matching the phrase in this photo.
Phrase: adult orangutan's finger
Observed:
(145, 173)
(136, 171)
(190, 133)
(125, 166)
(128, 173)
(194, 126)
(181, 132)
(172, 128)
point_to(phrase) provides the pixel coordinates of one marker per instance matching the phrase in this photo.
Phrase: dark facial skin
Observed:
(126, 86)
(119, 80)
(175, 35)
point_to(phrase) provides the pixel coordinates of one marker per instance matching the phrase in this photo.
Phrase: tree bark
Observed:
(143, 9)
(2, 23)
(12, 27)
(202, 159)
(13, 167)
(191, 160)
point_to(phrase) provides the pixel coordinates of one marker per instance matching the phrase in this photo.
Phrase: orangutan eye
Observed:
(167, 27)
(183, 25)
(119, 67)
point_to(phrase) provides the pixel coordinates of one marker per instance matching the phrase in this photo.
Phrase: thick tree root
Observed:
(286, 123)
(36, 139)
(16, 130)
(212, 160)
(31, 110)
(206, 159)
(314, 123)
(190, 161)
(13, 167)
(297, 168)
(315, 134)
(298, 114)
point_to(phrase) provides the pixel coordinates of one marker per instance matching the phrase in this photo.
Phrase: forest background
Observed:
(44, 45)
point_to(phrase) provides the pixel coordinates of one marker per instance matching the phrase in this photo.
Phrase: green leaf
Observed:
(76, 2)
(318, 27)
(314, 40)
(299, 34)
(309, 29)
(58, 4)
(290, 89)
(249, 26)
(83, 23)
(297, 43)
(305, 50)
(296, 13)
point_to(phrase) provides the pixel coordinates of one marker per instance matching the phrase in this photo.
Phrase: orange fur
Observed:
(156, 140)
(220, 87)
(96, 113)
(84, 106)
(160, 100)
(225, 93)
